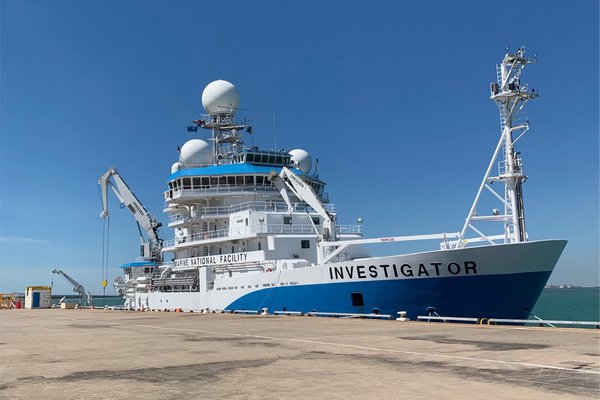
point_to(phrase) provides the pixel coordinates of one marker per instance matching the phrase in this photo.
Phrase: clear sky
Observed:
(390, 96)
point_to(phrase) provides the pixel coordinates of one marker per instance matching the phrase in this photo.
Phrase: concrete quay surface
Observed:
(102, 354)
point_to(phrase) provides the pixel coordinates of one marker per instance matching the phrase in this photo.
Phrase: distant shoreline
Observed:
(570, 287)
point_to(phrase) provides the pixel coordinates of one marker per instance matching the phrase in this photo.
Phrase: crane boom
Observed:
(328, 243)
(287, 180)
(151, 250)
(77, 287)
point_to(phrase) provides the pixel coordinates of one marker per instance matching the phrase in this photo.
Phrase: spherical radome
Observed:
(220, 97)
(195, 152)
(301, 160)
(175, 167)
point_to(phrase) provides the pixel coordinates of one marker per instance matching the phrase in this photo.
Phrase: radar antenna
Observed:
(510, 95)
(221, 100)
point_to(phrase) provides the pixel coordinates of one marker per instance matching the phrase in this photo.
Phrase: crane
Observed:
(328, 243)
(77, 287)
(287, 180)
(151, 248)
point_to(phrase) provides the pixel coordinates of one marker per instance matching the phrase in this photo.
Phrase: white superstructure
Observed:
(254, 228)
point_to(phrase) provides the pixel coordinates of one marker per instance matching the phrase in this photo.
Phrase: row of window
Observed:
(287, 220)
(263, 285)
(207, 182)
(147, 270)
(215, 181)
(267, 159)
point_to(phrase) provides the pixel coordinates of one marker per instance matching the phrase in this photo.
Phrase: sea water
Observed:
(569, 304)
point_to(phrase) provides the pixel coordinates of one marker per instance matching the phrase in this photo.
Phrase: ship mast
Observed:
(510, 95)
(221, 101)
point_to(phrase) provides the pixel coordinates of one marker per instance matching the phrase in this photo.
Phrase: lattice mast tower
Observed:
(510, 95)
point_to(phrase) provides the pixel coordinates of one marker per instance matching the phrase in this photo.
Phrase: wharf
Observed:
(102, 354)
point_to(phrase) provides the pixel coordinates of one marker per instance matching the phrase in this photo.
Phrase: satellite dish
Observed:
(301, 160)
(195, 152)
(220, 97)
(175, 167)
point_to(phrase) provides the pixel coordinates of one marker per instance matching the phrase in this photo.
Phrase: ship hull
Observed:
(501, 281)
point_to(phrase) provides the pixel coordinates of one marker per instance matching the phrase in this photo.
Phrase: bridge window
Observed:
(259, 181)
(250, 157)
(250, 180)
(231, 180)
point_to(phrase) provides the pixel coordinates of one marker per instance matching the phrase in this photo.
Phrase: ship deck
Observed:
(99, 354)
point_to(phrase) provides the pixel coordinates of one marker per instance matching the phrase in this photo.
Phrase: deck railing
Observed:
(267, 206)
(255, 229)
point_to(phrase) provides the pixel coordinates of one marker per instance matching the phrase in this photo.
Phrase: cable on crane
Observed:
(105, 248)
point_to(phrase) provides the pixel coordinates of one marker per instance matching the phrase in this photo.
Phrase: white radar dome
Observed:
(220, 97)
(175, 167)
(301, 160)
(195, 152)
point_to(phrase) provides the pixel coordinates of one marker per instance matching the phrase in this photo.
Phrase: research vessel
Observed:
(253, 229)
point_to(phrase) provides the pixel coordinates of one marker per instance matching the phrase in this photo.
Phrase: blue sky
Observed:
(391, 97)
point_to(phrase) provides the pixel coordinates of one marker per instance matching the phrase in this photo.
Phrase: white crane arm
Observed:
(77, 287)
(287, 180)
(126, 196)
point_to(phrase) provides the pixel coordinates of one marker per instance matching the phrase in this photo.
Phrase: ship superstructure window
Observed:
(287, 220)
(267, 159)
(316, 220)
(220, 181)
(305, 244)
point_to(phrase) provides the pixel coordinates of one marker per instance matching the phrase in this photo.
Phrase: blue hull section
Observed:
(492, 296)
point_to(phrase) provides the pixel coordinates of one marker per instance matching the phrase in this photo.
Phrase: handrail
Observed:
(254, 229)
(493, 321)
(277, 206)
